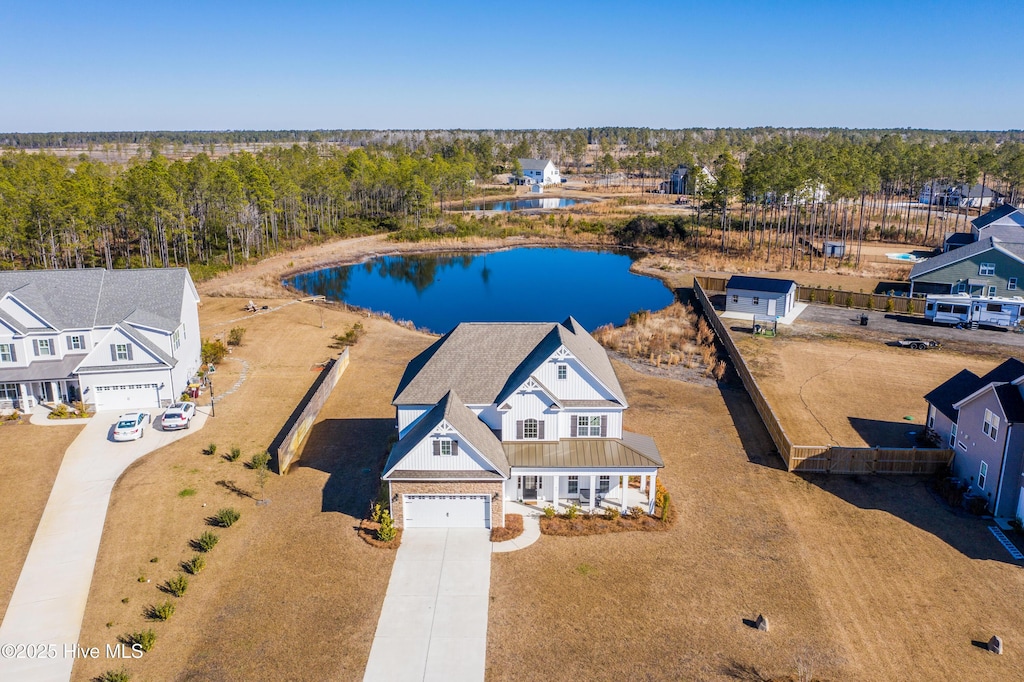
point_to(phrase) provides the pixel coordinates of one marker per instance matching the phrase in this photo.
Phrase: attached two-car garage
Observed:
(127, 396)
(447, 511)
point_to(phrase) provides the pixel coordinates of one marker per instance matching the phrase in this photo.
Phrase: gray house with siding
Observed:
(988, 267)
(760, 296)
(982, 420)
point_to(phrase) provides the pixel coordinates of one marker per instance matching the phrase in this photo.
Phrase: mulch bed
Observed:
(368, 532)
(597, 524)
(513, 528)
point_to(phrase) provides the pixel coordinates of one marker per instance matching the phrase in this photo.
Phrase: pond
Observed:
(506, 205)
(438, 291)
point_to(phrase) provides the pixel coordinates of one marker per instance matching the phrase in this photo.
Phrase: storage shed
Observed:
(760, 296)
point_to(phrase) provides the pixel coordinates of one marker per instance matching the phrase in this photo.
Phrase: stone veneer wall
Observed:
(494, 488)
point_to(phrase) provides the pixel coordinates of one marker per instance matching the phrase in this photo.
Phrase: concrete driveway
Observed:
(49, 600)
(433, 625)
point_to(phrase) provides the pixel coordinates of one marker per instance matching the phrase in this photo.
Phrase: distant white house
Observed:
(114, 339)
(962, 195)
(761, 296)
(540, 172)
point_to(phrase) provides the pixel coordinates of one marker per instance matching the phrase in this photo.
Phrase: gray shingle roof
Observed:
(95, 297)
(769, 284)
(965, 252)
(1012, 402)
(484, 361)
(43, 370)
(993, 215)
(452, 410)
(534, 164)
(965, 382)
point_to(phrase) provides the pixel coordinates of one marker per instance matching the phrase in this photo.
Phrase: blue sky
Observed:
(394, 64)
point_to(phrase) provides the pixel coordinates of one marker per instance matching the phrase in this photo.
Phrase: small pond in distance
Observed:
(438, 291)
(506, 205)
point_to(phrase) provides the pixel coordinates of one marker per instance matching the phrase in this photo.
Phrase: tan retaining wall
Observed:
(494, 488)
(824, 459)
(289, 440)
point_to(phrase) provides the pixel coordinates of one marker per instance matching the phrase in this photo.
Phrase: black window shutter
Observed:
(574, 423)
(130, 351)
(519, 430)
(14, 354)
(35, 347)
(604, 426)
(540, 429)
(68, 339)
(437, 447)
(455, 447)
(113, 352)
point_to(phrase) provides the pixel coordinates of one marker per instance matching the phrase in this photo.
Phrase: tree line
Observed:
(155, 212)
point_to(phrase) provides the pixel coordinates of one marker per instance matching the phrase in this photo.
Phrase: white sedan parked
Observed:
(131, 426)
(178, 416)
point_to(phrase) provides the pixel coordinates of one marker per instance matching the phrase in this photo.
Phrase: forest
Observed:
(166, 206)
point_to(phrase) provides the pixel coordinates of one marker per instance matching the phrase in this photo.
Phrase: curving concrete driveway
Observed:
(49, 600)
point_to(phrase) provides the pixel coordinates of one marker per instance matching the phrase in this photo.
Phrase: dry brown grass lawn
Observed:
(849, 391)
(861, 579)
(290, 592)
(29, 458)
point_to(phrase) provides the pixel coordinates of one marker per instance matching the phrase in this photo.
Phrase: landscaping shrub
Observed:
(211, 449)
(849, 300)
(162, 611)
(611, 513)
(195, 564)
(121, 675)
(549, 512)
(387, 531)
(637, 513)
(207, 541)
(349, 338)
(59, 412)
(666, 506)
(226, 517)
(235, 336)
(144, 638)
(177, 585)
(572, 512)
(259, 461)
(375, 513)
(890, 305)
(213, 352)
(513, 528)
(235, 453)
(831, 298)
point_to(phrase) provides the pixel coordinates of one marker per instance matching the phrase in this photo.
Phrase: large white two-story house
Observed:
(529, 412)
(114, 339)
(540, 171)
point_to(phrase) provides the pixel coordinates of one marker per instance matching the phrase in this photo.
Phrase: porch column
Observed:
(643, 483)
(23, 397)
(625, 489)
(554, 491)
(593, 493)
(55, 388)
(654, 487)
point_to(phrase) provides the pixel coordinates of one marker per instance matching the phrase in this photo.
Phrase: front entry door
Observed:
(529, 487)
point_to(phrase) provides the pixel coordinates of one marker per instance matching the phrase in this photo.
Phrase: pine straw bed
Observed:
(513, 528)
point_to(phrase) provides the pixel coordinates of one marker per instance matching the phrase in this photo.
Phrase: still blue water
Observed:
(506, 205)
(438, 291)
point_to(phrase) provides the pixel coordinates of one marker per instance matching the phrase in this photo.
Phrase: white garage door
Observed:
(447, 511)
(127, 396)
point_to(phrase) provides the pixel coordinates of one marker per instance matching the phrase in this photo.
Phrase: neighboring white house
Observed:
(961, 195)
(512, 411)
(540, 172)
(114, 339)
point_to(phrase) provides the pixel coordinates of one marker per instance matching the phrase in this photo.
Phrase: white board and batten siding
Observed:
(422, 456)
(408, 415)
(579, 384)
(529, 405)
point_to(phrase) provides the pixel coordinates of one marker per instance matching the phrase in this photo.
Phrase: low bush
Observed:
(145, 639)
(235, 336)
(226, 517)
(233, 456)
(195, 564)
(207, 541)
(375, 513)
(550, 512)
(387, 531)
(611, 513)
(637, 513)
(349, 338)
(213, 352)
(259, 461)
(598, 524)
(512, 529)
(211, 449)
(177, 585)
(368, 531)
(121, 675)
(572, 512)
(161, 611)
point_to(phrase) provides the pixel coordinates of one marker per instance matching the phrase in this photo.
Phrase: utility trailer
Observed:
(964, 310)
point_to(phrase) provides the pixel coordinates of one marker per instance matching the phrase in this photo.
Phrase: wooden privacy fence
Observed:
(826, 459)
(837, 297)
(293, 434)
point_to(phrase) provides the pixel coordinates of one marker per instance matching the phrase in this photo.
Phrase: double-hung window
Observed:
(574, 485)
(43, 346)
(76, 343)
(563, 371)
(982, 475)
(7, 352)
(588, 427)
(445, 447)
(757, 300)
(991, 425)
(991, 291)
(987, 269)
(952, 436)
(121, 351)
(1011, 284)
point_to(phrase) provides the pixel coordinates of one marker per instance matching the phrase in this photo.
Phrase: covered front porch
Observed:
(586, 490)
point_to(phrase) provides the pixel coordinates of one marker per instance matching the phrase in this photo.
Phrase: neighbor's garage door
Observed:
(447, 511)
(127, 397)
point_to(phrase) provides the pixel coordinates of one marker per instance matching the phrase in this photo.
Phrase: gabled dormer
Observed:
(123, 348)
(22, 315)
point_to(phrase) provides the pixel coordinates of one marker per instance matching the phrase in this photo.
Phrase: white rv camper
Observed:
(963, 309)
